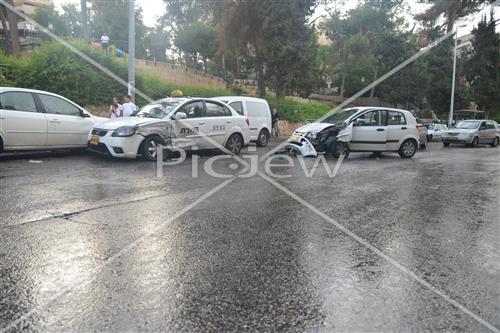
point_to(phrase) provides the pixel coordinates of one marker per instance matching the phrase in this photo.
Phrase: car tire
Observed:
(340, 148)
(493, 144)
(423, 146)
(149, 147)
(1, 145)
(429, 138)
(446, 144)
(408, 148)
(263, 138)
(475, 141)
(235, 143)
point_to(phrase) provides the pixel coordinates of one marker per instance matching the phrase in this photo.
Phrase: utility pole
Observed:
(452, 101)
(85, 20)
(131, 49)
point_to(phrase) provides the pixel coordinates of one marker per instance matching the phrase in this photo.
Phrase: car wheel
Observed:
(234, 144)
(408, 148)
(340, 148)
(475, 141)
(1, 145)
(423, 145)
(263, 138)
(149, 147)
(429, 139)
(494, 144)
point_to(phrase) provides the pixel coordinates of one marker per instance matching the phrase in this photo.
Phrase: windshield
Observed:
(468, 124)
(340, 116)
(158, 109)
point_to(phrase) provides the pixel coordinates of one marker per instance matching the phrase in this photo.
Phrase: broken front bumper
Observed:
(299, 145)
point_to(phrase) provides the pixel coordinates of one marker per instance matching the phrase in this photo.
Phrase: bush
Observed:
(297, 111)
(57, 69)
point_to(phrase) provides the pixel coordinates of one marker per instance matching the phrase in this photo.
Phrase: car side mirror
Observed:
(180, 116)
(84, 114)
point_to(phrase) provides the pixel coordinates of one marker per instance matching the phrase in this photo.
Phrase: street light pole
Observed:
(452, 102)
(131, 49)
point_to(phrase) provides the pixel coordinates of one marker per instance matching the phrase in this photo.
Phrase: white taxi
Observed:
(172, 122)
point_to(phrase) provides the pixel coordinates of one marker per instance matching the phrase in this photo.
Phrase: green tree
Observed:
(111, 17)
(198, 40)
(66, 24)
(483, 66)
(451, 9)
(290, 47)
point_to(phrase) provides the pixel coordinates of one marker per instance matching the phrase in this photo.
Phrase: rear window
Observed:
(396, 118)
(257, 109)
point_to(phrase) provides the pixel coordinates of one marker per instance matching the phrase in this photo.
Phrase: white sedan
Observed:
(176, 122)
(40, 120)
(436, 131)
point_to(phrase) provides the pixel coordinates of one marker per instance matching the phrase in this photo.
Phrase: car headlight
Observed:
(124, 131)
(312, 135)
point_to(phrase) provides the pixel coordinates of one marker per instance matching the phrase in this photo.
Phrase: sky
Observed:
(153, 9)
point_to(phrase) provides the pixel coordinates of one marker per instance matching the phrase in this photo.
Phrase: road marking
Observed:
(380, 253)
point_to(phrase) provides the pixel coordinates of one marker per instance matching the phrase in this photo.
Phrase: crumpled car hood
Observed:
(129, 121)
(314, 127)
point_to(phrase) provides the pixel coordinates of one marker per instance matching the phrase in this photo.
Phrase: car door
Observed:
(219, 121)
(256, 113)
(492, 131)
(21, 122)
(396, 129)
(483, 132)
(65, 124)
(369, 132)
(189, 131)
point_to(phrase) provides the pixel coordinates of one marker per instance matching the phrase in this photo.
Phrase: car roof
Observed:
(4, 89)
(240, 98)
(364, 108)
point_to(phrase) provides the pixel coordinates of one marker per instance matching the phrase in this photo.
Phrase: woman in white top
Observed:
(115, 108)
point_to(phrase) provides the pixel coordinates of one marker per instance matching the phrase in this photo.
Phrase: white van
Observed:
(257, 113)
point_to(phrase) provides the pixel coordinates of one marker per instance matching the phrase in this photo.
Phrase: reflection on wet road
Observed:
(249, 258)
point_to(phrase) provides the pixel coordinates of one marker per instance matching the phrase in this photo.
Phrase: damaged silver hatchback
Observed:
(360, 129)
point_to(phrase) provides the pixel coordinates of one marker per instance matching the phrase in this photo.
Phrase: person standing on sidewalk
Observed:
(127, 108)
(115, 108)
(105, 41)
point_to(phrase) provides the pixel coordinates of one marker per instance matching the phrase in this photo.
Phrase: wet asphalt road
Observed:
(93, 244)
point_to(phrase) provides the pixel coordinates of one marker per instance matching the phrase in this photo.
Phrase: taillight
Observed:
(419, 125)
(247, 121)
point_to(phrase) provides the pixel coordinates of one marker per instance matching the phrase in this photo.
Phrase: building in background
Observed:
(28, 34)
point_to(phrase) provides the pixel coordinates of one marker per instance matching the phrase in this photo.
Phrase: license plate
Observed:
(451, 138)
(295, 138)
(94, 139)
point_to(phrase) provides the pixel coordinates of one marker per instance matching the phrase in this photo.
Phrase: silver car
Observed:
(473, 132)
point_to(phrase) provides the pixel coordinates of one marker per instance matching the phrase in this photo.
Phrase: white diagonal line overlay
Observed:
(114, 257)
(117, 78)
(380, 253)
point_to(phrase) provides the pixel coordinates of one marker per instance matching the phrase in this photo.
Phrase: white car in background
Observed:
(175, 123)
(258, 114)
(435, 132)
(40, 120)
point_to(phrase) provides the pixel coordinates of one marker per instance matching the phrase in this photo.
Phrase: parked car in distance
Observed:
(258, 114)
(473, 132)
(40, 120)
(435, 132)
(360, 129)
(179, 122)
